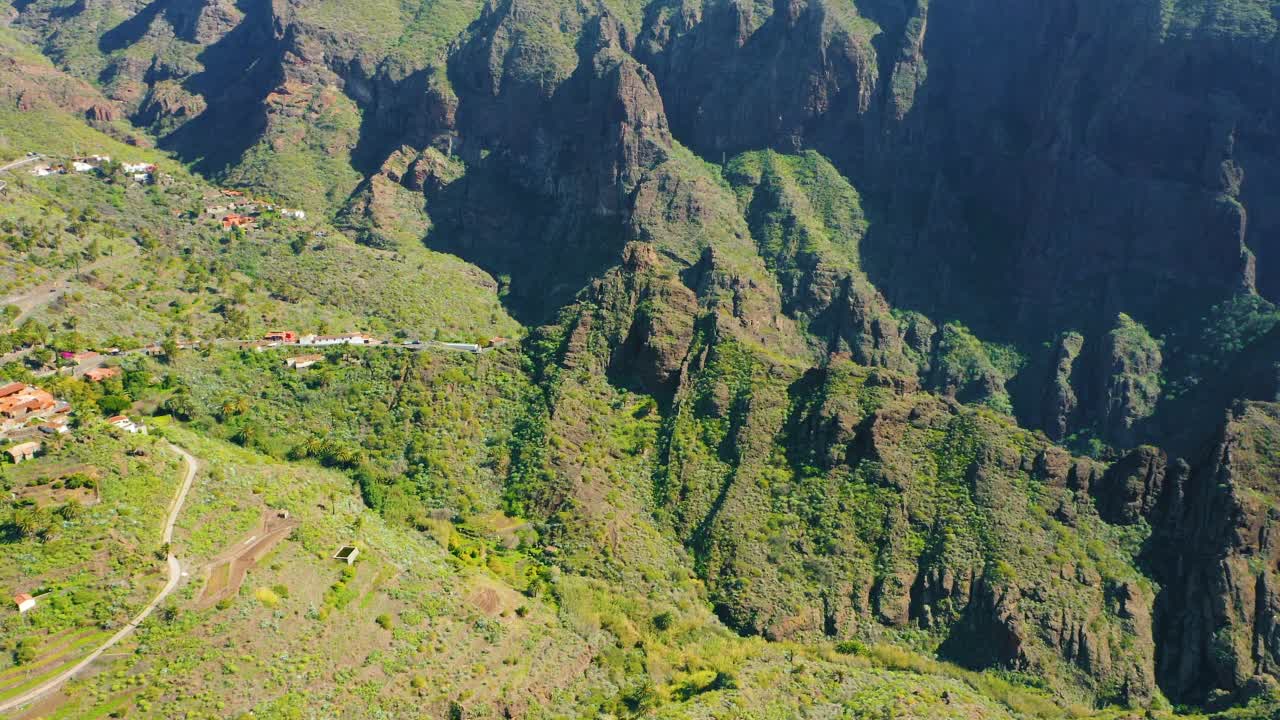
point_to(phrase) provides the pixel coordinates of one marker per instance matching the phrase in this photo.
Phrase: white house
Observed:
(24, 602)
(347, 339)
(81, 167)
(295, 214)
(302, 362)
(123, 423)
(463, 347)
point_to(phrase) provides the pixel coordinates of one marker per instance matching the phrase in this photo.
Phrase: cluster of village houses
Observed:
(235, 210)
(140, 172)
(29, 413)
(26, 414)
(278, 338)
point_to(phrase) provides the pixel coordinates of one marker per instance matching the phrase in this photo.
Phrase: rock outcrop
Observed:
(1060, 401)
(1218, 562)
(1131, 489)
(1130, 382)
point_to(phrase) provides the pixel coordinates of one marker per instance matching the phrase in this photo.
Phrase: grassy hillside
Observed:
(82, 533)
(144, 263)
(148, 265)
(426, 629)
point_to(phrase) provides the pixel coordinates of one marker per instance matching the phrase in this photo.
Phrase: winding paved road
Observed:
(175, 575)
(19, 163)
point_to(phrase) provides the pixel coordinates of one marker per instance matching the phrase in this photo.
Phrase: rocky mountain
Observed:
(959, 318)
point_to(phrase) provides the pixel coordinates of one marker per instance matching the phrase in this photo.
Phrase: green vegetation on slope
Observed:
(145, 262)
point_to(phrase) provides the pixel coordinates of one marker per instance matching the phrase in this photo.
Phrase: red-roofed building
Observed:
(237, 221)
(100, 374)
(24, 602)
(27, 402)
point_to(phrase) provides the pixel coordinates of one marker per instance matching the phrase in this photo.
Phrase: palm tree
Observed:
(30, 522)
(313, 446)
(247, 434)
(234, 406)
(70, 510)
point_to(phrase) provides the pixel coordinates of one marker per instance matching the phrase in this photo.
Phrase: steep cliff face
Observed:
(1060, 402)
(841, 502)
(836, 501)
(29, 84)
(1215, 553)
(1000, 143)
(1130, 380)
(1031, 122)
(738, 76)
(807, 222)
(564, 131)
(997, 142)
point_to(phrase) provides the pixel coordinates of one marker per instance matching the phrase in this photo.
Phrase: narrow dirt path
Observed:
(175, 575)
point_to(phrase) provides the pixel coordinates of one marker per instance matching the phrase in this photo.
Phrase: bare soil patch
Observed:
(227, 571)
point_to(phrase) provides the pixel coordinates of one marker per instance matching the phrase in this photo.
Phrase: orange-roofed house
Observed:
(100, 374)
(24, 601)
(237, 221)
(28, 401)
(12, 388)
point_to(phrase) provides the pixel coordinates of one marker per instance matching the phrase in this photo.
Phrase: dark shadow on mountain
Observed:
(1251, 373)
(540, 202)
(548, 251)
(131, 30)
(59, 13)
(396, 113)
(241, 69)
